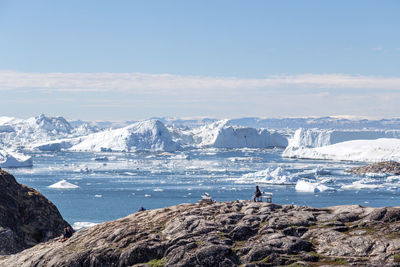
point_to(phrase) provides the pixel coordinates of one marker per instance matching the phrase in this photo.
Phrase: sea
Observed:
(114, 185)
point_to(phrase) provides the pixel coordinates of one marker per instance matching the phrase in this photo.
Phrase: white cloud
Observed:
(160, 84)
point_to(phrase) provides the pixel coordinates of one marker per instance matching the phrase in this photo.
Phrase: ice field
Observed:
(100, 171)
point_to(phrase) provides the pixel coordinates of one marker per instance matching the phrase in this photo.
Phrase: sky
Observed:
(132, 60)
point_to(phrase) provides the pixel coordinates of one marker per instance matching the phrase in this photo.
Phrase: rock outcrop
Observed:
(229, 234)
(26, 216)
(389, 167)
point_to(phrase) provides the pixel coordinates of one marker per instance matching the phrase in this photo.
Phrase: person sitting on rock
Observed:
(141, 209)
(67, 233)
(257, 194)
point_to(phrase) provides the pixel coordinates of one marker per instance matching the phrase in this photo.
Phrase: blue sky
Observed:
(137, 59)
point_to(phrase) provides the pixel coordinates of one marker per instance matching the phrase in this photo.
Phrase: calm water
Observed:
(119, 186)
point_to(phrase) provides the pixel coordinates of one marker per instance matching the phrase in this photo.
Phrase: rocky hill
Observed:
(26, 216)
(388, 167)
(229, 234)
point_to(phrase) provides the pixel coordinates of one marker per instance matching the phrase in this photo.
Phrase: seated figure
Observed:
(257, 195)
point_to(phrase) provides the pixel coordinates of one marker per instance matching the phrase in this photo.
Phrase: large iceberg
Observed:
(149, 135)
(221, 135)
(14, 159)
(56, 145)
(318, 138)
(20, 132)
(383, 149)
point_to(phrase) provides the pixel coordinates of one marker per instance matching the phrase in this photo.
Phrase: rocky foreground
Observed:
(26, 216)
(229, 234)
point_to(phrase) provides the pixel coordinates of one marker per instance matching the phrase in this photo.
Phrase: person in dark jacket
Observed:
(67, 233)
(257, 194)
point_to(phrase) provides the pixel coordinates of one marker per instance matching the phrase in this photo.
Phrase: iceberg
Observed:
(277, 176)
(149, 135)
(81, 225)
(317, 138)
(63, 184)
(14, 159)
(383, 149)
(361, 185)
(221, 135)
(308, 187)
(56, 145)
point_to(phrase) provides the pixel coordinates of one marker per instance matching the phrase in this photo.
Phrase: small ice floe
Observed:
(85, 170)
(158, 190)
(81, 225)
(181, 156)
(304, 186)
(365, 183)
(278, 176)
(165, 154)
(147, 195)
(393, 179)
(104, 158)
(321, 171)
(376, 175)
(129, 173)
(63, 184)
(98, 195)
(360, 185)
